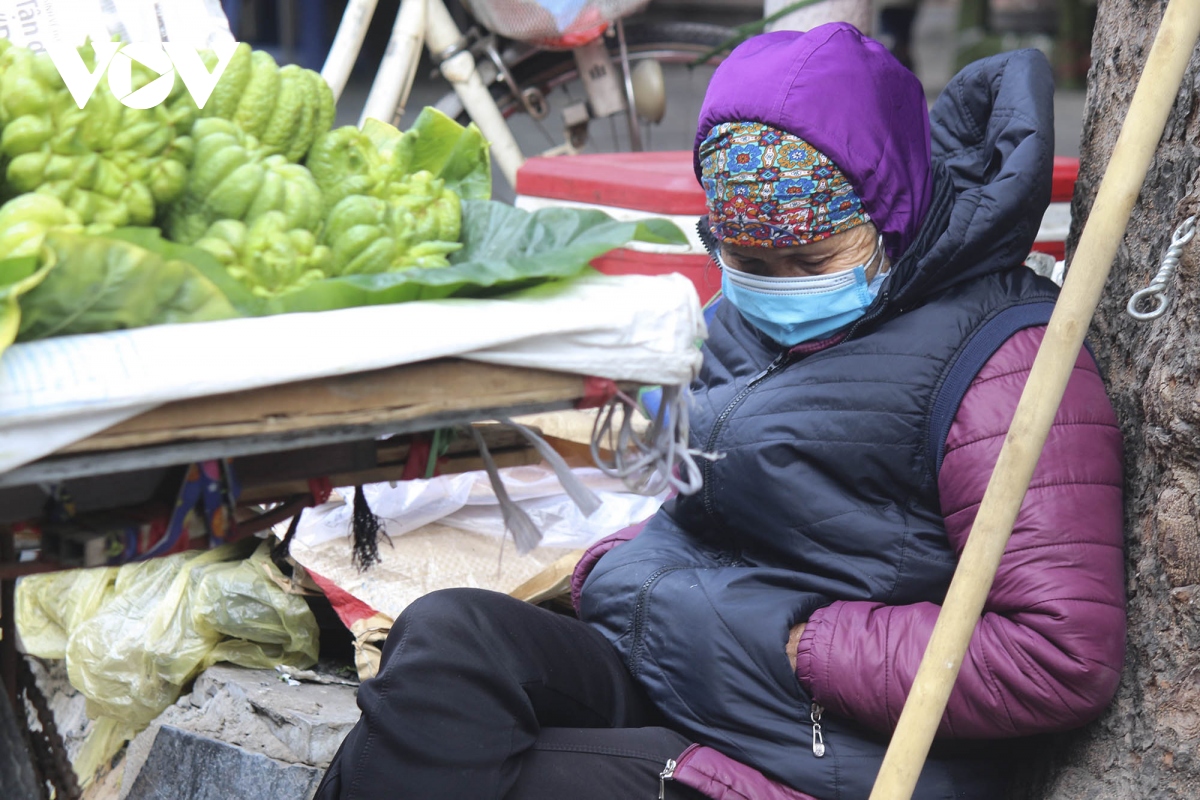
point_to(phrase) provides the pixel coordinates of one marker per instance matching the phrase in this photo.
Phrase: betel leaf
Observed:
(504, 249)
(101, 284)
(458, 155)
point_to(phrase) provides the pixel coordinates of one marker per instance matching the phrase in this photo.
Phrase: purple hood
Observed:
(845, 94)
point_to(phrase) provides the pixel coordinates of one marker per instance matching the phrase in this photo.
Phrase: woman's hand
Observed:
(794, 642)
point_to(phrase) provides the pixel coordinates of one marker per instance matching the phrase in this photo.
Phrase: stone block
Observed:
(184, 764)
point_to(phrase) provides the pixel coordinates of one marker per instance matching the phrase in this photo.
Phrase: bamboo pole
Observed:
(1143, 126)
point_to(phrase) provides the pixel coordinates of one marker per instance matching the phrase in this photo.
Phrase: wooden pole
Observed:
(1143, 126)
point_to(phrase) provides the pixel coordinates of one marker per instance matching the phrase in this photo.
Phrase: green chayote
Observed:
(267, 256)
(108, 163)
(286, 109)
(384, 212)
(234, 178)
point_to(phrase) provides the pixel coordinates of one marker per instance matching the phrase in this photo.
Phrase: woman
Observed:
(757, 639)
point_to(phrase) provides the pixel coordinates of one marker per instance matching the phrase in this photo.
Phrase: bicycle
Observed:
(511, 63)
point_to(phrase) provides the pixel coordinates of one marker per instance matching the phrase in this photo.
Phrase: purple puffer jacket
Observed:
(1048, 652)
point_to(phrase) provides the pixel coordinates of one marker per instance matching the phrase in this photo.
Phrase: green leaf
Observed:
(133, 277)
(17, 277)
(504, 249)
(242, 299)
(660, 231)
(458, 155)
(102, 284)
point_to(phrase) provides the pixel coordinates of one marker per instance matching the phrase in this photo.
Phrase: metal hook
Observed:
(1158, 288)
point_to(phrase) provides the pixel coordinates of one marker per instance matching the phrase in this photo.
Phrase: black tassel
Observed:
(366, 529)
(283, 548)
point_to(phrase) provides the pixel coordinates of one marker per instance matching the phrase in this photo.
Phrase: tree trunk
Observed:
(1146, 745)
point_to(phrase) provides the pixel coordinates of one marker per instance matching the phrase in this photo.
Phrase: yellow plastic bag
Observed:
(134, 636)
(50, 606)
(257, 624)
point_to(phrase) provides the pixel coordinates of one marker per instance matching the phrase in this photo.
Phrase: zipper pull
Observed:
(818, 736)
(667, 774)
(780, 361)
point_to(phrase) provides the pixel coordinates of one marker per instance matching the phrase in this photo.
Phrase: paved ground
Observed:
(935, 35)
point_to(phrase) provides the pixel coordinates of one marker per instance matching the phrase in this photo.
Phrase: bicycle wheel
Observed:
(674, 45)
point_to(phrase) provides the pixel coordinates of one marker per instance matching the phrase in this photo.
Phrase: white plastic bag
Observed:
(36, 23)
(467, 501)
(449, 531)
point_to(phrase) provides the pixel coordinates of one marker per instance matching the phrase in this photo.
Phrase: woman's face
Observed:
(838, 253)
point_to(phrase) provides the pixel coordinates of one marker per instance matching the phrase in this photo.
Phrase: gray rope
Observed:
(658, 460)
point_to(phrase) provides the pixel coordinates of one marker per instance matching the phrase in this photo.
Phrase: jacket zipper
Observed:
(869, 318)
(668, 774)
(779, 363)
(639, 616)
(814, 714)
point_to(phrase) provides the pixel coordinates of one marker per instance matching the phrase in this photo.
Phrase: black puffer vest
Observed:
(826, 488)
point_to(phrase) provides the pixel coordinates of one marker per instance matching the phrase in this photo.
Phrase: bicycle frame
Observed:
(419, 24)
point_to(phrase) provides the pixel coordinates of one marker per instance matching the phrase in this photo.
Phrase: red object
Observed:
(1066, 172)
(1056, 249)
(320, 489)
(348, 607)
(597, 392)
(660, 183)
(664, 183)
(699, 269)
(571, 41)
(419, 448)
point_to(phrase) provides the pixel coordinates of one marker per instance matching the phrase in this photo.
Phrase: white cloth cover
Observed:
(626, 328)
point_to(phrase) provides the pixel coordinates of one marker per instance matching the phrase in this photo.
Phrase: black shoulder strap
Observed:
(982, 345)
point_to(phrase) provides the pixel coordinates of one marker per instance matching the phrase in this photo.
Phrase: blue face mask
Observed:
(795, 310)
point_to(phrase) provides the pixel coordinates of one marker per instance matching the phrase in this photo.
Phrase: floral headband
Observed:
(768, 188)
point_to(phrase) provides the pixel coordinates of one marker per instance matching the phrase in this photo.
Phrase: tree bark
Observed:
(1147, 745)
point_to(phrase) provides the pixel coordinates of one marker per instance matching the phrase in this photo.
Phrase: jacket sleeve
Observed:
(1049, 649)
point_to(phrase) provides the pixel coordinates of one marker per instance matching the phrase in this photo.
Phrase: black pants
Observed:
(482, 696)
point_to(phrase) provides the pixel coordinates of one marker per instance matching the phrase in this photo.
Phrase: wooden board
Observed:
(393, 395)
(552, 582)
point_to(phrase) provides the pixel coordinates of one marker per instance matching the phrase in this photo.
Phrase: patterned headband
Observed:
(768, 188)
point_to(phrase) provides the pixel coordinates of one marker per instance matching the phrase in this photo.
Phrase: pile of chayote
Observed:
(256, 178)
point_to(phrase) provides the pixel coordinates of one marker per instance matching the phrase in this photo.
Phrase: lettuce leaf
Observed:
(458, 155)
(504, 249)
(19, 276)
(101, 284)
(134, 277)
(242, 299)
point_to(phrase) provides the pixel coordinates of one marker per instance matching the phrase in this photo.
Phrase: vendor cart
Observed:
(105, 427)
